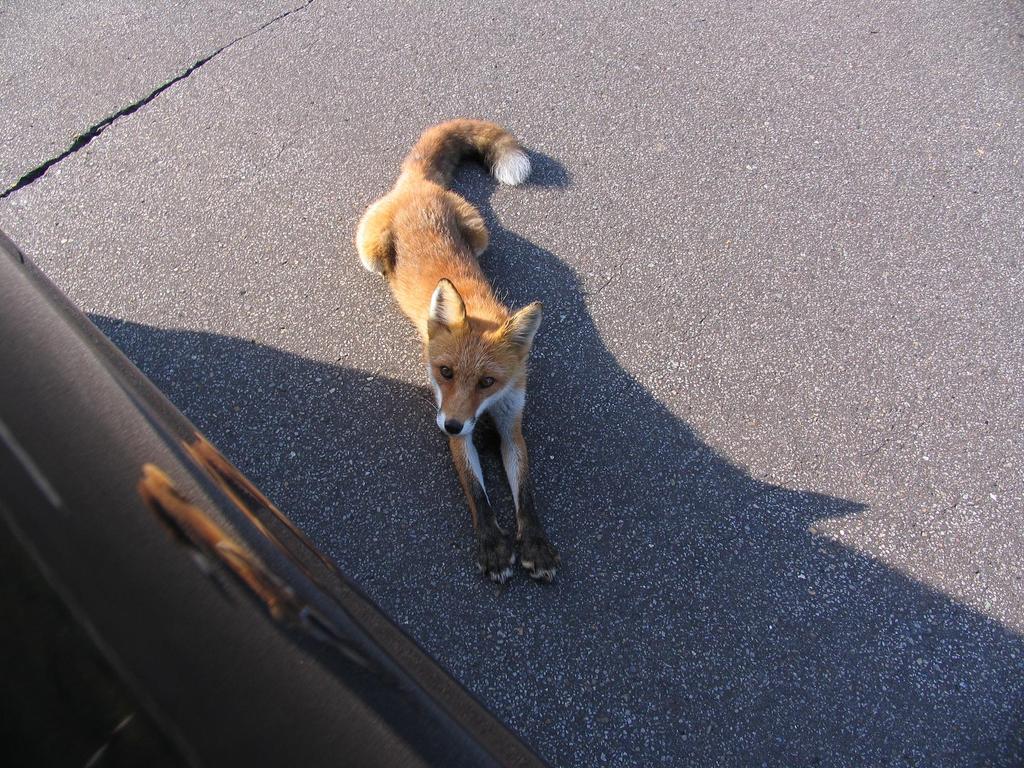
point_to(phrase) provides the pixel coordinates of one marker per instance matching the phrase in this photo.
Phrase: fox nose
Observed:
(452, 427)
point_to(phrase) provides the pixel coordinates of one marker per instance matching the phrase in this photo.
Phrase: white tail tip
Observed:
(512, 167)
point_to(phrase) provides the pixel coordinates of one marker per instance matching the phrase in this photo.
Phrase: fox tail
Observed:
(440, 149)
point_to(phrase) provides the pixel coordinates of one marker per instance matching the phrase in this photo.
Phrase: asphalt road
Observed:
(776, 403)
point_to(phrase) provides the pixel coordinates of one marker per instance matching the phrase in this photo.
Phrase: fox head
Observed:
(471, 363)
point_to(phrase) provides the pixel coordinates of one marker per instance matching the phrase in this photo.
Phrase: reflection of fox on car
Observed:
(425, 240)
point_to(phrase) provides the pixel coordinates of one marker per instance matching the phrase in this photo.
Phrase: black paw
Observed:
(494, 557)
(538, 555)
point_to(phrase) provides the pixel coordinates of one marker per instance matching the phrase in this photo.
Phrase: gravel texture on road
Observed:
(775, 410)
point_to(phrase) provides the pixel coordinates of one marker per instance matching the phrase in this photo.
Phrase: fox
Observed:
(425, 240)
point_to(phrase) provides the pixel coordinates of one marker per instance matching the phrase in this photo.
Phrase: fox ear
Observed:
(520, 329)
(447, 310)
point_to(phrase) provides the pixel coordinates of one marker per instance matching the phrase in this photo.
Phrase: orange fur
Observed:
(425, 240)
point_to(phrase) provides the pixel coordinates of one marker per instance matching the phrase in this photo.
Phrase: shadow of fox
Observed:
(696, 619)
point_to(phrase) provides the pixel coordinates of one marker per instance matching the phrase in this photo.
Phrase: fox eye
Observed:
(446, 372)
(486, 381)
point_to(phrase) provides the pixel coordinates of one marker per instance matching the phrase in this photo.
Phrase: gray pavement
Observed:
(776, 403)
(68, 67)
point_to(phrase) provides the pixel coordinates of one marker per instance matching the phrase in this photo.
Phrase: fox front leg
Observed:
(494, 553)
(538, 556)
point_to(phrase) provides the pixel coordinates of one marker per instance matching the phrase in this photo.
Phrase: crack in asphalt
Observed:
(83, 139)
(611, 276)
